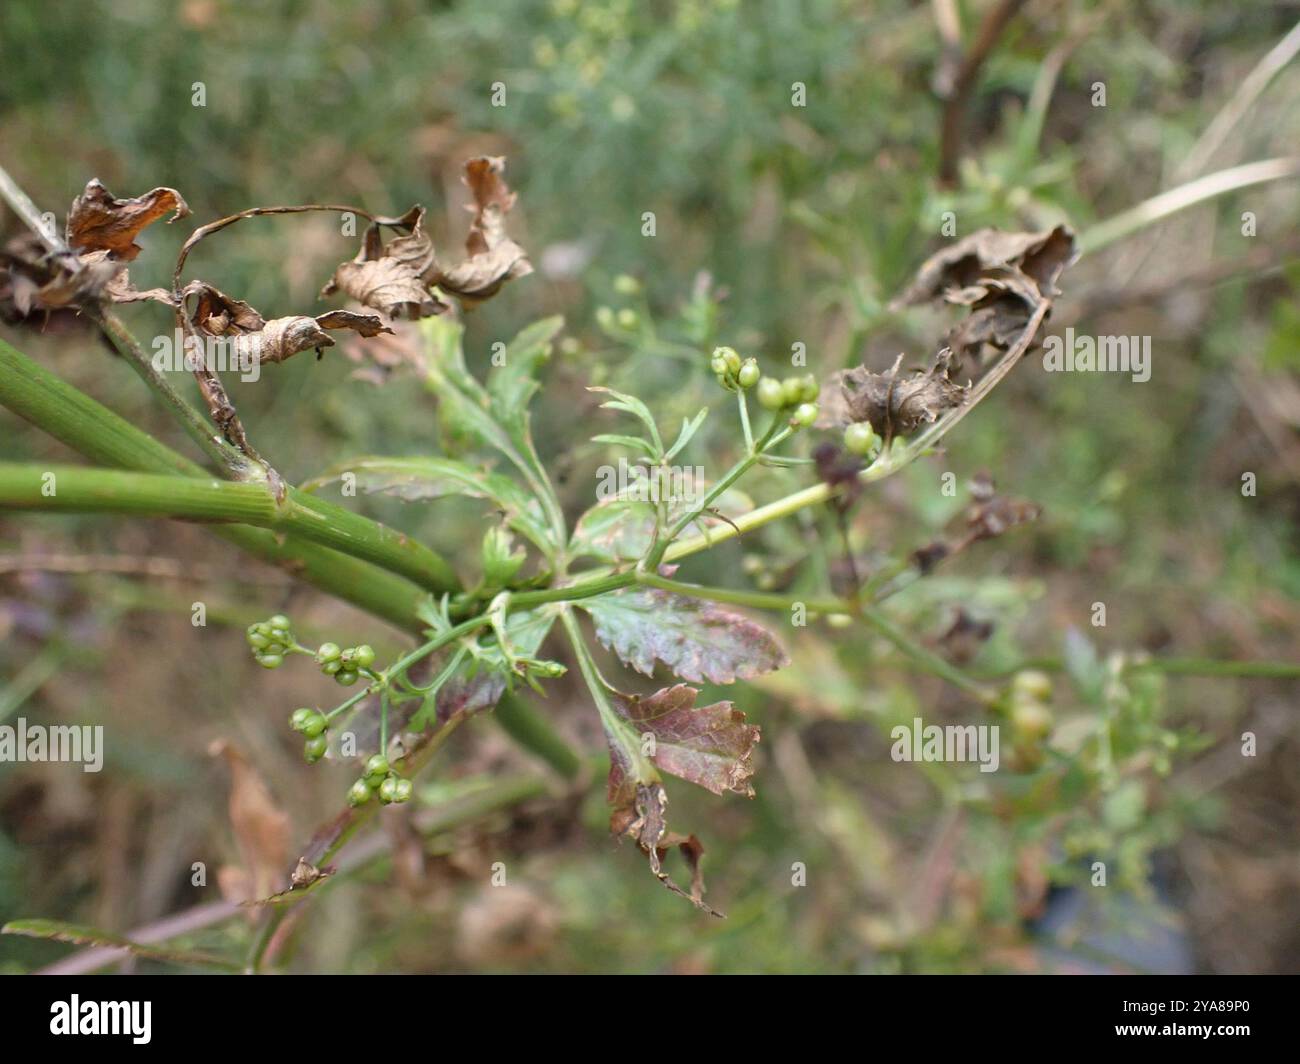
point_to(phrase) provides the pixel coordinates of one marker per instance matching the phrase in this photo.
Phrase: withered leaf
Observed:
(1001, 277)
(990, 254)
(391, 279)
(697, 640)
(644, 819)
(98, 221)
(708, 745)
(219, 315)
(894, 405)
(398, 279)
(711, 746)
(34, 279)
(493, 257)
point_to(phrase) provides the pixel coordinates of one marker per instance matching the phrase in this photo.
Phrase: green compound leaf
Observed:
(697, 640)
(419, 479)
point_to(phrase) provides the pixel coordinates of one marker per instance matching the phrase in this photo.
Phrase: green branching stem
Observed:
(80, 489)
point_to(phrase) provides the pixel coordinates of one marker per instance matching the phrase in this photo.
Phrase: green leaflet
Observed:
(697, 640)
(58, 931)
(495, 416)
(415, 479)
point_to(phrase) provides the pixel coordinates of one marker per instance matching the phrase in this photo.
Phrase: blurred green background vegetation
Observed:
(776, 225)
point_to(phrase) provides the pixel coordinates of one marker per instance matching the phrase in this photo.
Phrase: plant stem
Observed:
(225, 456)
(355, 818)
(71, 416)
(1161, 206)
(82, 489)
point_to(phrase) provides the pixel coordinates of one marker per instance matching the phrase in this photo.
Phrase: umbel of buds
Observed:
(270, 640)
(733, 373)
(797, 394)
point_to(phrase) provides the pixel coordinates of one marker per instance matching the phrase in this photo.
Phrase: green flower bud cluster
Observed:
(315, 726)
(346, 666)
(380, 779)
(270, 640)
(732, 372)
(797, 394)
(1031, 716)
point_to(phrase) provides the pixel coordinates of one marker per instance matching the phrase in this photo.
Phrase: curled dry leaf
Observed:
(493, 257)
(894, 405)
(1001, 277)
(645, 820)
(957, 272)
(219, 315)
(98, 221)
(398, 279)
(101, 231)
(33, 279)
(390, 279)
(711, 746)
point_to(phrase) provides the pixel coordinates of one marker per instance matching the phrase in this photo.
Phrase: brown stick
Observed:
(954, 111)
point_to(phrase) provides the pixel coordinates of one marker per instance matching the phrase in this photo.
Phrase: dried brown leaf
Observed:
(261, 827)
(98, 221)
(219, 315)
(894, 405)
(1001, 277)
(493, 257)
(391, 279)
(644, 819)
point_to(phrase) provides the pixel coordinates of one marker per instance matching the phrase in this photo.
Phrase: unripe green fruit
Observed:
(358, 794)
(328, 652)
(282, 635)
(270, 661)
(258, 641)
(314, 725)
(348, 658)
(345, 677)
(388, 790)
(315, 748)
(365, 655)
(860, 438)
(300, 717)
(273, 648)
(804, 414)
(730, 358)
(718, 365)
(403, 790)
(626, 285)
(376, 766)
(628, 318)
(771, 394)
(792, 391)
(809, 388)
(1031, 720)
(749, 374)
(1032, 684)
(330, 668)
(279, 621)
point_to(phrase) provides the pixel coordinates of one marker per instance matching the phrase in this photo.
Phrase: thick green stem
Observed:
(80, 489)
(75, 419)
